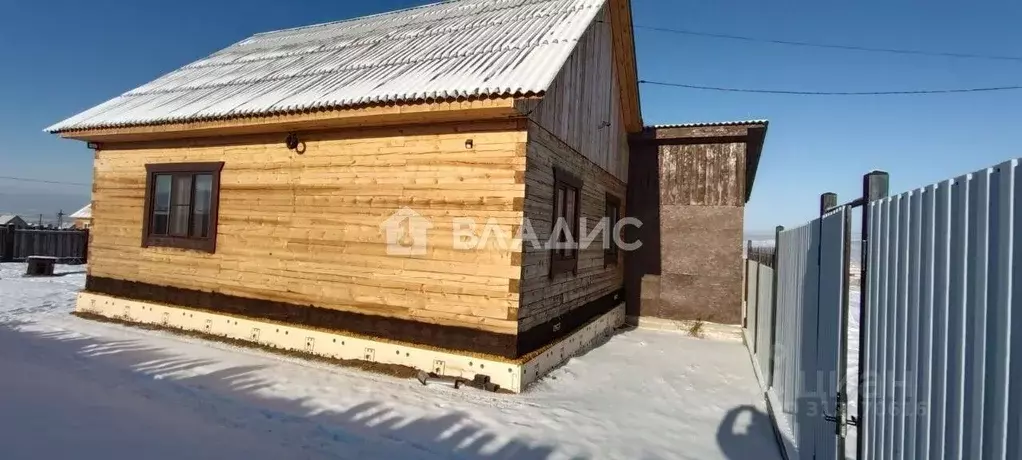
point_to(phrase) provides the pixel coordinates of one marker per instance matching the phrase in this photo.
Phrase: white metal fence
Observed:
(759, 326)
(795, 342)
(944, 330)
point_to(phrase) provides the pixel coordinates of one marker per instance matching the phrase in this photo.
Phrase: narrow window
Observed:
(567, 212)
(612, 212)
(181, 204)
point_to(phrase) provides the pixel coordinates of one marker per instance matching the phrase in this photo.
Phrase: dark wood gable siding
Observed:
(582, 107)
(707, 175)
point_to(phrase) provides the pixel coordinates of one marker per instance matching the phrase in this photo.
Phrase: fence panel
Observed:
(764, 346)
(798, 280)
(812, 269)
(751, 311)
(70, 246)
(942, 291)
(829, 368)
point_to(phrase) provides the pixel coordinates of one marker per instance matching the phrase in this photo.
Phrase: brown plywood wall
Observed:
(643, 203)
(687, 185)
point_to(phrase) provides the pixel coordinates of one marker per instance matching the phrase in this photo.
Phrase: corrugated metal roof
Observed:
(709, 124)
(84, 213)
(468, 48)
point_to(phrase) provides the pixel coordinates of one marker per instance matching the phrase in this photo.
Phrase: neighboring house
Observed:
(11, 220)
(260, 182)
(82, 218)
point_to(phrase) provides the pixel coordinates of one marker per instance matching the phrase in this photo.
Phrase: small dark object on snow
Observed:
(480, 381)
(40, 266)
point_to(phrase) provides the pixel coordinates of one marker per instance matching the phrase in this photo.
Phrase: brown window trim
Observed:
(207, 244)
(560, 263)
(610, 254)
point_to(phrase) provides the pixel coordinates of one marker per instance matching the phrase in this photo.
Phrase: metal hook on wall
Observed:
(294, 143)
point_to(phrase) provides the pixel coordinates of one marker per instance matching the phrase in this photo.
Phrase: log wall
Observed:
(544, 299)
(305, 228)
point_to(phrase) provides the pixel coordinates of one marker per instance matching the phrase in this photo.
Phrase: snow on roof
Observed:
(8, 218)
(84, 213)
(468, 48)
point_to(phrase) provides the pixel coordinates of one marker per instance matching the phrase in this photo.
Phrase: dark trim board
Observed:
(704, 140)
(453, 338)
(546, 333)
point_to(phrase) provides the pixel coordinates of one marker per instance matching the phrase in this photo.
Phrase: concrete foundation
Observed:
(513, 376)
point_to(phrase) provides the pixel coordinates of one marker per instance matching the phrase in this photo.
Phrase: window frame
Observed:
(204, 244)
(559, 262)
(611, 254)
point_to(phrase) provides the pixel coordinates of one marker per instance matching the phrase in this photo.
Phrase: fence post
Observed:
(745, 288)
(85, 248)
(875, 185)
(773, 304)
(827, 200)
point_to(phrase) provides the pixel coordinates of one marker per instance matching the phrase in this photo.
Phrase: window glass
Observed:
(569, 220)
(161, 205)
(203, 195)
(179, 210)
(566, 202)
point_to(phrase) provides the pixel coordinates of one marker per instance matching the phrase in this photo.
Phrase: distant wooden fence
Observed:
(762, 253)
(71, 246)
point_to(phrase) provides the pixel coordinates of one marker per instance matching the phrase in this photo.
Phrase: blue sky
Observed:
(60, 57)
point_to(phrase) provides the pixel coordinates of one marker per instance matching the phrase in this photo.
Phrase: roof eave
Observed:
(753, 152)
(352, 117)
(623, 35)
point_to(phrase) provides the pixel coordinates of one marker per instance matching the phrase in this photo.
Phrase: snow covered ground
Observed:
(71, 388)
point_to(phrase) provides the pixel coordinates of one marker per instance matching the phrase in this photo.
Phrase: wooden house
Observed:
(12, 221)
(245, 194)
(82, 218)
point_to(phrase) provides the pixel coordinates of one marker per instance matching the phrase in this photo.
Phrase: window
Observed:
(567, 206)
(612, 212)
(181, 204)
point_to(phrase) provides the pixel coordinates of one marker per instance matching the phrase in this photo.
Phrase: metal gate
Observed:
(811, 343)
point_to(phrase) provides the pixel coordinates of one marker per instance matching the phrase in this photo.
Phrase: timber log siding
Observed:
(689, 186)
(304, 229)
(578, 127)
(546, 298)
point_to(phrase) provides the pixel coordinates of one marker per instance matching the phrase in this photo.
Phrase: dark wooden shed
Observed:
(688, 184)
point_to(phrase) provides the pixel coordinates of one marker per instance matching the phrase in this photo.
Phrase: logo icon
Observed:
(406, 233)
